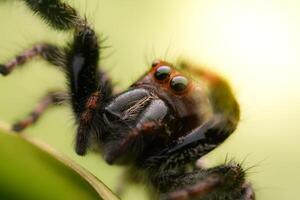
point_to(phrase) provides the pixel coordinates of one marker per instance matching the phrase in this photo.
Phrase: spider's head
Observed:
(162, 104)
(185, 98)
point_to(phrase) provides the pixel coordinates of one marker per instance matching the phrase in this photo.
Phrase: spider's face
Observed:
(184, 96)
(177, 96)
(186, 99)
(163, 103)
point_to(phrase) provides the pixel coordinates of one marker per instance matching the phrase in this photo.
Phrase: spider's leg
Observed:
(60, 16)
(52, 98)
(82, 56)
(49, 52)
(208, 135)
(57, 14)
(219, 183)
(87, 94)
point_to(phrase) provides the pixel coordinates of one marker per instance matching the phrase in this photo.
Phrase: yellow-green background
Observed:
(255, 44)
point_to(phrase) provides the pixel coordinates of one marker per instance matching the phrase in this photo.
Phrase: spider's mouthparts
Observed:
(125, 103)
(148, 122)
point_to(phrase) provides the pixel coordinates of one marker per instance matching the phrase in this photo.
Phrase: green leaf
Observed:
(32, 170)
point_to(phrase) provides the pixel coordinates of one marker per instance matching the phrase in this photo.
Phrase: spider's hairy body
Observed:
(157, 128)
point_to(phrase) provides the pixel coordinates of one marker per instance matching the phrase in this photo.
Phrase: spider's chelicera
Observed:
(158, 128)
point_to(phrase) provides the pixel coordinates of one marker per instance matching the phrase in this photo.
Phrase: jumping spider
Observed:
(158, 128)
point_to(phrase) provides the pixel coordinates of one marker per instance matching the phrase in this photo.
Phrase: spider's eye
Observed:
(179, 83)
(162, 73)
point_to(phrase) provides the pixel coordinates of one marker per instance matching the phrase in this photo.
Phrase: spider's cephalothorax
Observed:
(158, 128)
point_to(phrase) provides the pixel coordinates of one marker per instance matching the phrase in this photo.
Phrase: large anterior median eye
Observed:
(162, 73)
(179, 83)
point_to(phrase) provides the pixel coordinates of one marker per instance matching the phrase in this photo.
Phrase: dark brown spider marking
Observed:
(90, 107)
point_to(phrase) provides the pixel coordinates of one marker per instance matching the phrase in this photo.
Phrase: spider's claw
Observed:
(3, 70)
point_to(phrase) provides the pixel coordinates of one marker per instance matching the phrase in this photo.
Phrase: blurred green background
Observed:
(27, 172)
(255, 44)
